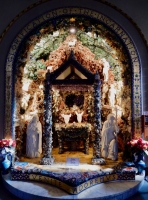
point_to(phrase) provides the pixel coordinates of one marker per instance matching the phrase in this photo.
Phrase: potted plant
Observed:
(138, 148)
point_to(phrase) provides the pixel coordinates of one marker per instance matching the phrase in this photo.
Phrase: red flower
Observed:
(138, 145)
(7, 143)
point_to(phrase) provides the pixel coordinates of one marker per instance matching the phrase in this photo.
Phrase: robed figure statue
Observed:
(109, 145)
(34, 138)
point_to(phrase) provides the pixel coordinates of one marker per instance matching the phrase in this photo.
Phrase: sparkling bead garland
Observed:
(97, 122)
(47, 132)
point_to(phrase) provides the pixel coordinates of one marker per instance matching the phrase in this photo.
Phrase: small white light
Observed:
(72, 30)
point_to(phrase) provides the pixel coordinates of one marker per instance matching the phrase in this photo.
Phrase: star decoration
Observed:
(72, 19)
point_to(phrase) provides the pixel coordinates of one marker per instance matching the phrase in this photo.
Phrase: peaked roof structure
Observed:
(74, 66)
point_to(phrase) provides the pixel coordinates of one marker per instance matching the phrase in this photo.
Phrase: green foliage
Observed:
(32, 67)
(40, 65)
(92, 35)
(100, 53)
(116, 71)
(101, 49)
(46, 45)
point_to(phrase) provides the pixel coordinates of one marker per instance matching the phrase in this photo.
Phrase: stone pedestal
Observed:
(98, 161)
(47, 161)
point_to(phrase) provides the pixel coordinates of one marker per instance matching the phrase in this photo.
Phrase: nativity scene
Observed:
(56, 81)
(72, 60)
(73, 93)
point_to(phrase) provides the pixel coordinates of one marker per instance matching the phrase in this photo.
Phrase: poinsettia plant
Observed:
(138, 145)
(7, 143)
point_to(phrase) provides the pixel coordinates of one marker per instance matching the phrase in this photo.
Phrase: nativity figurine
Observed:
(105, 69)
(104, 92)
(34, 138)
(79, 116)
(66, 118)
(111, 95)
(109, 147)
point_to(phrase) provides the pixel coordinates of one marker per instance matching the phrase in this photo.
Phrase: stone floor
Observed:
(142, 193)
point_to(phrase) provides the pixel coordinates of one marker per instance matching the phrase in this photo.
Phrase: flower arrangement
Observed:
(138, 145)
(7, 143)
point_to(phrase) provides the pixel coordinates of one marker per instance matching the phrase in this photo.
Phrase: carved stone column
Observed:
(47, 159)
(97, 123)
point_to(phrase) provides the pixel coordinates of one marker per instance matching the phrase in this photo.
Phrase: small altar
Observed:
(73, 132)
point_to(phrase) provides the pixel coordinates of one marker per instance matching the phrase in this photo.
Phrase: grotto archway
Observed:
(125, 40)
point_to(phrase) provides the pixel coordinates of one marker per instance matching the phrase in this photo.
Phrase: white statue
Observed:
(34, 138)
(111, 95)
(25, 100)
(109, 148)
(119, 88)
(79, 116)
(104, 92)
(66, 118)
(105, 69)
(26, 85)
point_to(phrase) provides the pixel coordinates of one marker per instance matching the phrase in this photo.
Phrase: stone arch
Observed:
(76, 11)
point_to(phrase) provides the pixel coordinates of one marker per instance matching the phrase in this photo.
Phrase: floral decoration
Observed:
(6, 146)
(7, 143)
(138, 145)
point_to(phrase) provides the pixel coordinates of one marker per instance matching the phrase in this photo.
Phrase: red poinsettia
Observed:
(138, 145)
(7, 143)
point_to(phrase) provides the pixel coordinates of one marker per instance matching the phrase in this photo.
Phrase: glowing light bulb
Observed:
(72, 30)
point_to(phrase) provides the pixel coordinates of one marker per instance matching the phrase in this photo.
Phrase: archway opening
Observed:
(95, 46)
